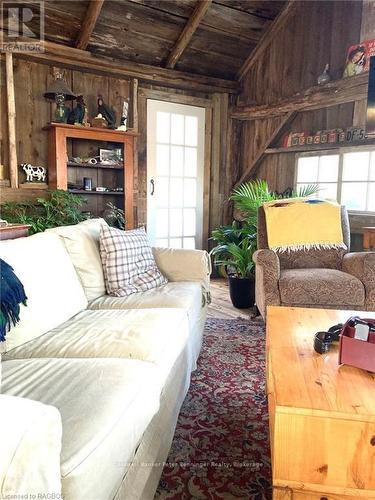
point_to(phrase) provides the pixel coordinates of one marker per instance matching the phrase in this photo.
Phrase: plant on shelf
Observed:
(236, 243)
(60, 208)
(114, 216)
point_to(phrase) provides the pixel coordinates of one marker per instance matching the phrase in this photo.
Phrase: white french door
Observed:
(175, 165)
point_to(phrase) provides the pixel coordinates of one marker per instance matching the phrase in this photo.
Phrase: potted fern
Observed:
(233, 254)
(236, 243)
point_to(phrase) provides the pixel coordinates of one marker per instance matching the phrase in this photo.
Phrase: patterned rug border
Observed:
(221, 448)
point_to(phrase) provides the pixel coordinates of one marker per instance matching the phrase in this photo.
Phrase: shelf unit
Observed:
(319, 147)
(83, 191)
(60, 133)
(97, 165)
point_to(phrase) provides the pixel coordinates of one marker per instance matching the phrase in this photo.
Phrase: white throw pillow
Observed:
(128, 264)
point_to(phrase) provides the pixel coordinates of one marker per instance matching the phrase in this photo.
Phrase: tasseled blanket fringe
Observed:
(309, 246)
(12, 295)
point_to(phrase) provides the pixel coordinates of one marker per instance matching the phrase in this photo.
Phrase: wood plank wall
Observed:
(33, 113)
(317, 34)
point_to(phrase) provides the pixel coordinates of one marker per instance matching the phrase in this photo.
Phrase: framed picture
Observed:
(358, 58)
(110, 156)
(370, 118)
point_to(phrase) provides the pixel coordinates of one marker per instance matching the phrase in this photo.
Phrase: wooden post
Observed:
(135, 126)
(13, 165)
(134, 103)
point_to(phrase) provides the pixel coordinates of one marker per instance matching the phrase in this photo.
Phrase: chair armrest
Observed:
(30, 437)
(362, 266)
(179, 264)
(267, 275)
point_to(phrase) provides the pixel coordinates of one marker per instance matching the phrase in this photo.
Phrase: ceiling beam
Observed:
(267, 37)
(333, 93)
(187, 33)
(70, 57)
(89, 22)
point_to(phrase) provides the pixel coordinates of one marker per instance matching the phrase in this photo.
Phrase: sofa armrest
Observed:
(179, 264)
(30, 437)
(362, 266)
(267, 275)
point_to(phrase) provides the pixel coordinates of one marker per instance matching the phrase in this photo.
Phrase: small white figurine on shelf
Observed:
(124, 116)
(34, 174)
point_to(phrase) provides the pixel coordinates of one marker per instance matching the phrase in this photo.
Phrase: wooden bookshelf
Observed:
(61, 133)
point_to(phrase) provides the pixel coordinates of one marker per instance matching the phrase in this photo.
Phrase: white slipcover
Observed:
(105, 406)
(82, 244)
(30, 444)
(154, 335)
(51, 284)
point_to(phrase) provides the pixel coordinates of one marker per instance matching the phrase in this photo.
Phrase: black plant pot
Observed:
(242, 292)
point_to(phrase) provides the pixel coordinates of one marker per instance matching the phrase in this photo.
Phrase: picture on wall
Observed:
(370, 121)
(358, 58)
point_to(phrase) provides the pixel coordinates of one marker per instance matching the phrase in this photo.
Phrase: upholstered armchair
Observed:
(330, 279)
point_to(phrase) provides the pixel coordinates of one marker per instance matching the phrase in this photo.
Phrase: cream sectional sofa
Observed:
(91, 384)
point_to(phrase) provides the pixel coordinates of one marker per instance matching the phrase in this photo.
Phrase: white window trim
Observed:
(338, 151)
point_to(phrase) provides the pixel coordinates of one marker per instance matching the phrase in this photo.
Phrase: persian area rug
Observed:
(221, 448)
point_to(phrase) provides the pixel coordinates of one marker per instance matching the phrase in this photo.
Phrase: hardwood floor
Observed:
(221, 305)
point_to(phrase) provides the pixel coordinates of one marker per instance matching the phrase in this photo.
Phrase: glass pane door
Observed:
(175, 162)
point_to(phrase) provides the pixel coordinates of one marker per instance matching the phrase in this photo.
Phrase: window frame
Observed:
(340, 152)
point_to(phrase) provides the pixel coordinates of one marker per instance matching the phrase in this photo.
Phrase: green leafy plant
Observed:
(233, 254)
(236, 243)
(60, 208)
(249, 196)
(236, 257)
(115, 216)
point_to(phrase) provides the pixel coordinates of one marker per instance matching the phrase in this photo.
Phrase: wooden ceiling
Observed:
(146, 31)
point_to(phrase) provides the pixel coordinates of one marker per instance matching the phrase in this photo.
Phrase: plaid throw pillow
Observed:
(128, 264)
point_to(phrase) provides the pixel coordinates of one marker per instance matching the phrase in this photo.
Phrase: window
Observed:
(346, 176)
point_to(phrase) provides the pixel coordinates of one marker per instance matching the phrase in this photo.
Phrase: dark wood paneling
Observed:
(317, 34)
(33, 112)
(144, 31)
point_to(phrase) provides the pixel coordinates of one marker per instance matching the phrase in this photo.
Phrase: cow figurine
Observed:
(34, 174)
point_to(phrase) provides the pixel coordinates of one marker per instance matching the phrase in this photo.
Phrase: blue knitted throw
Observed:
(12, 294)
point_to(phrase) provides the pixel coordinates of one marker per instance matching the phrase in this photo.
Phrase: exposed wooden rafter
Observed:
(276, 134)
(186, 35)
(89, 22)
(267, 37)
(70, 57)
(320, 96)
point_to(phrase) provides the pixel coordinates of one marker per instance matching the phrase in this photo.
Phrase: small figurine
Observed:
(77, 114)
(325, 77)
(99, 121)
(33, 174)
(106, 112)
(61, 111)
(124, 116)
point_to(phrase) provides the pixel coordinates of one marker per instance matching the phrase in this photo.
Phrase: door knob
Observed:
(152, 182)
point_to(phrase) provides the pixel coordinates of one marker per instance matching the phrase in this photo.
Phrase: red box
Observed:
(356, 352)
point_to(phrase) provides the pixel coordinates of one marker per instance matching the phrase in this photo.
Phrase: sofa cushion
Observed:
(320, 287)
(154, 335)
(105, 405)
(51, 284)
(128, 264)
(183, 295)
(82, 244)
